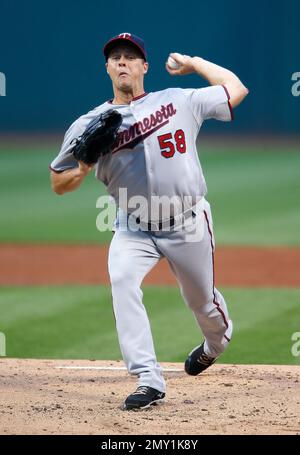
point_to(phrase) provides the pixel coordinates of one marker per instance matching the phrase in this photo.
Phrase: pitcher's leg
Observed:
(193, 265)
(131, 256)
(210, 311)
(218, 299)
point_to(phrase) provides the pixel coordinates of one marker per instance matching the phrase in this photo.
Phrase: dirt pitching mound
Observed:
(37, 397)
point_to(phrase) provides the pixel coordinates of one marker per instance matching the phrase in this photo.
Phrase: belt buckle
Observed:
(158, 226)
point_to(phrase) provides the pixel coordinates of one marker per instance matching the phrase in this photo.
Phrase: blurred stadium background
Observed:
(51, 56)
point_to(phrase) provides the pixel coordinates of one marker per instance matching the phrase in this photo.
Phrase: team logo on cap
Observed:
(125, 35)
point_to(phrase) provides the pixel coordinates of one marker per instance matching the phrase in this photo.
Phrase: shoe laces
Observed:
(205, 359)
(142, 390)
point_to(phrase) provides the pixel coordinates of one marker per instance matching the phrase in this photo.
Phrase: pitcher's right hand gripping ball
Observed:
(99, 137)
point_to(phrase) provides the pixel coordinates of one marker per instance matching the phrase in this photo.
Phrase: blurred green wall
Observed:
(51, 55)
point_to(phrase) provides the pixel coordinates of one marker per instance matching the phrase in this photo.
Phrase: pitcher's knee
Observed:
(123, 278)
(201, 302)
(229, 330)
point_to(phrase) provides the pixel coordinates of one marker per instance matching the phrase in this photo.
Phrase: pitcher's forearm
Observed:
(217, 75)
(71, 179)
(66, 181)
(214, 74)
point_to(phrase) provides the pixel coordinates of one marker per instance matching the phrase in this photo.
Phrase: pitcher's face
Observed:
(126, 67)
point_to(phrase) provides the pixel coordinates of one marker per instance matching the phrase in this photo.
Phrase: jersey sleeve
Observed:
(210, 102)
(65, 159)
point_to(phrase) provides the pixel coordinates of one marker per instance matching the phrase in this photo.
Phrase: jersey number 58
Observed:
(166, 143)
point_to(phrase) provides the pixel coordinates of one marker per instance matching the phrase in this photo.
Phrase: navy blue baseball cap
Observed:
(136, 41)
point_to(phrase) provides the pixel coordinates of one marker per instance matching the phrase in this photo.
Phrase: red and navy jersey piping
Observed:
(229, 104)
(133, 99)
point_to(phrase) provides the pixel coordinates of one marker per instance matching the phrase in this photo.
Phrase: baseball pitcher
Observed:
(145, 143)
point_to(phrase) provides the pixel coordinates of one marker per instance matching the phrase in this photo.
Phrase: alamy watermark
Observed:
(2, 345)
(296, 86)
(2, 84)
(161, 213)
(295, 350)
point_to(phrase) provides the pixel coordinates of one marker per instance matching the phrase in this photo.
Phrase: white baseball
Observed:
(172, 63)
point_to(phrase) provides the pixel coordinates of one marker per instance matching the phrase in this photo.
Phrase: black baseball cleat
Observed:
(143, 398)
(198, 361)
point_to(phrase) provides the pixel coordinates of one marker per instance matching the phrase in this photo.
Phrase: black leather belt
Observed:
(158, 226)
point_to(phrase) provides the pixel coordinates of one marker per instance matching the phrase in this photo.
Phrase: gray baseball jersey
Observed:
(157, 140)
(156, 155)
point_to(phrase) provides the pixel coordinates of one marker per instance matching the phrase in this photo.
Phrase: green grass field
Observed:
(77, 322)
(254, 196)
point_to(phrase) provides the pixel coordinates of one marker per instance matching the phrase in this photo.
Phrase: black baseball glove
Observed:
(98, 138)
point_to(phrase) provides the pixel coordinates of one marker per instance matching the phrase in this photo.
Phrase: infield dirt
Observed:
(67, 264)
(39, 398)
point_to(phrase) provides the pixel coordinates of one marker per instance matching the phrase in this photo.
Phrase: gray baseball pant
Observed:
(131, 256)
